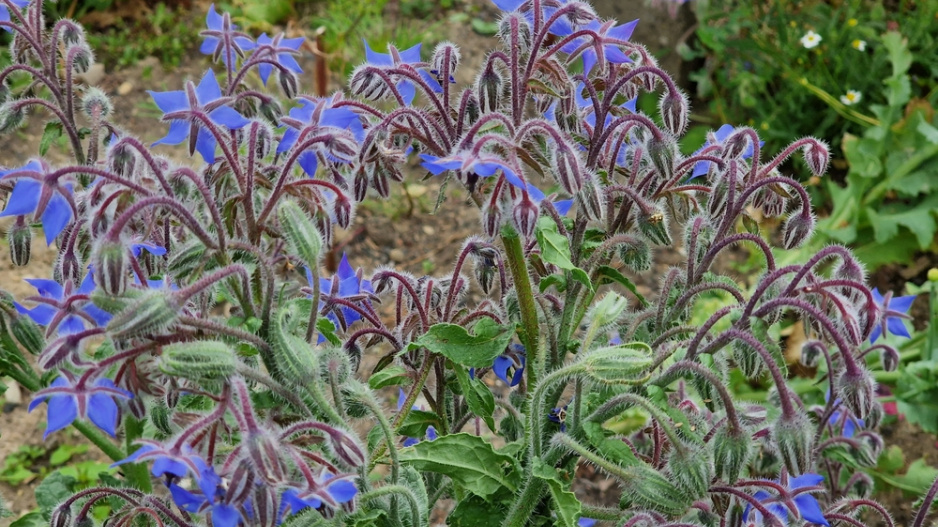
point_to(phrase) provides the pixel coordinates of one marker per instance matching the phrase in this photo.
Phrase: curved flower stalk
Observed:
(178, 317)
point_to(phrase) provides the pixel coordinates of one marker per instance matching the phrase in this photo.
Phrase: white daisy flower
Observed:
(859, 45)
(810, 39)
(851, 97)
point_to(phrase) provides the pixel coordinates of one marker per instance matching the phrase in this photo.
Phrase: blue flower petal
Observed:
(61, 412)
(56, 217)
(877, 331)
(102, 411)
(185, 499)
(228, 117)
(288, 140)
(897, 327)
(342, 490)
(309, 162)
(170, 101)
(224, 515)
(805, 480)
(508, 5)
(46, 288)
(810, 509)
(178, 132)
(264, 70)
(563, 206)
(500, 367)
(208, 89)
(213, 20)
(209, 45)
(901, 304)
(408, 91)
(70, 325)
(376, 59)
(287, 61)
(431, 81)
(205, 145)
(24, 199)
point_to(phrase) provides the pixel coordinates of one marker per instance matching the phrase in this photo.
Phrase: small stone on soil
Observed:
(396, 255)
(125, 88)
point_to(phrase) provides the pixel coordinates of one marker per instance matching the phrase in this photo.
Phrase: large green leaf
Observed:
(472, 350)
(555, 249)
(919, 219)
(478, 396)
(468, 460)
(563, 500)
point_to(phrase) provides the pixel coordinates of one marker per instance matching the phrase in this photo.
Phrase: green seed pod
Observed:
(111, 263)
(160, 417)
(20, 239)
(300, 232)
(11, 117)
(655, 227)
(794, 438)
(647, 488)
(731, 453)
(636, 255)
(296, 360)
(28, 334)
(198, 360)
(153, 312)
(691, 469)
(617, 364)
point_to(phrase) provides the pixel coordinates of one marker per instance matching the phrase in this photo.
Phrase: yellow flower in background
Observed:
(810, 39)
(851, 97)
(859, 45)
(852, 22)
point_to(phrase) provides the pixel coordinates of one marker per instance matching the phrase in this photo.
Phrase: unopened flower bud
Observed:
(490, 89)
(794, 437)
(654, 225)
(616, 364)
(636, 255)
(857, 391)
(111, 262)
(491, 220)
(347, 448)
(747, 359)
(62, 348)
(344, 211)
(95, 104)
(367, 83)
(379, 181)
(736, 144)
(82, 57)
(797, 230)
(731, 453)
(816, 156)
(300, 232)
(485, 274)
(673, 108)
(72, 33)
(589, 199)
(567, 170)
(811, 353)
(647, 488)
(11, 116)
(524, 215)
(271, 110)
(263, 139)
(152, 312)
(663, 152)
(860, 485)
(28, 334)
(524, 31)
(4, 91)
(336, 365)
(288, 83)
(20, 238)
(691, 468)
(198, 360)
(445, 59)
(889, 356)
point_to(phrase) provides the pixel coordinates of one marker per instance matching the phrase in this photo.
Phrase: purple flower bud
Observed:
(663, 151)
(379, 181)
(731, 453)
(95, 104)
(816, 156)
(360, 182)
(20, 239)
(524, 215)
(889, 357)
(271, 110)
(72, 33)
(62, 348)
(857, 391)
(11, 116)
(438, 62)
(288, 83)
(797, 230)
(344, 211)
(524, 31)
(111, 263)
(367, 83)
(811, 353)
(860, 485)
(491, 220)
(589, 199)
(737, 145)
(673, 107)
(489, 86)
(568, 170)
(82, 57)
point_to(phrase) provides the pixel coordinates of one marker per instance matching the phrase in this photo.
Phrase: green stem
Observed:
(529, 330)
(530, 496)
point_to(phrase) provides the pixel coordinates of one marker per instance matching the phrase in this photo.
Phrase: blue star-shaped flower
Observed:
(607, 33)
(181, 107)
(347, 284)
(222, 35)
(31, 196)
(62, 309)
(210, 499)
(892, 311)
(702, 167)
(466, 164)
(338, 490)
(395, 58)
(5, 12)
(796, 497)
(314, 114)
(512, 361)
(283, 51)
(166, 461)
(68, 402)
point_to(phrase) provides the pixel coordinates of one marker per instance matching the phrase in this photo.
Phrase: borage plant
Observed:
(179, 319)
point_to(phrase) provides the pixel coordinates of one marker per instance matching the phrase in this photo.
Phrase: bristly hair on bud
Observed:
(794, 438)
(438, 61)
(96, 104)
(20, 239)
(12, 115)
(489, 86)
(797, 230)
(524, 214)
(81, 57)
(365, 82)
(111, 264)
(857, 390)
(674, 108)
(816, 156)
